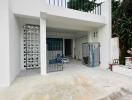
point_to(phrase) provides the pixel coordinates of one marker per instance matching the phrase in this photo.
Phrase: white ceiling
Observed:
(66, 33)
(71, 24)
(59, 31)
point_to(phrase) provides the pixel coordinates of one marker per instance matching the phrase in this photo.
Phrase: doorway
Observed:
(68, 47)
(54, 54)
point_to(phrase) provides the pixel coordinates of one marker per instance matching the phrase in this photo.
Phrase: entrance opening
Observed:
(68, 47)
(54, 54)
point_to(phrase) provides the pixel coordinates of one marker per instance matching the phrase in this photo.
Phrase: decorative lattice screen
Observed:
(31, 41)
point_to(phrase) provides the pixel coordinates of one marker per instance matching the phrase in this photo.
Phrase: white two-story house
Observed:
(46, 34)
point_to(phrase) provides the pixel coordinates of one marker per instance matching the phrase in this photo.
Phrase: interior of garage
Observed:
(62, 44)
(71, 48)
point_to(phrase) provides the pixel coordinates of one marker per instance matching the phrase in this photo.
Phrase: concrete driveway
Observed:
(76, 82)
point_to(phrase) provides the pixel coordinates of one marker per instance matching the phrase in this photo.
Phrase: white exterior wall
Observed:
(4, 43)
(91, 37)
(14, 45)
(9, 44)
(104, 36)
(78, 46)
(29, 8)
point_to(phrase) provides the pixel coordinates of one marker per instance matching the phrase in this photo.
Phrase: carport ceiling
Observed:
(74, 33)
(71, 24)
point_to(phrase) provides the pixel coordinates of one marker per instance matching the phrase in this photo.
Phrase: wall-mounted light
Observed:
(95, 34)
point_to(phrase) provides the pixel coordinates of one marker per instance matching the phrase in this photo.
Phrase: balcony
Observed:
(65, 15)
(80, 5)
(60, 14)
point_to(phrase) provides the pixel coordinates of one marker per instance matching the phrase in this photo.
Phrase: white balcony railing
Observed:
(81, 5)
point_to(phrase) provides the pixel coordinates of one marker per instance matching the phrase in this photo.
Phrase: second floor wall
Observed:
(33, 8)
(26, 7)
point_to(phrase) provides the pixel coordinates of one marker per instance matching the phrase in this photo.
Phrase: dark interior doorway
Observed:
(68, 47)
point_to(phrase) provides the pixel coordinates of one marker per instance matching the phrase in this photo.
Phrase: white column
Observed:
(43, 47)
(104, 36)
(63, 46)
(73, 48)
(4, 44)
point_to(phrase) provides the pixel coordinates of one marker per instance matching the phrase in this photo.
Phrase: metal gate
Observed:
(54, 54)
(91, 54)
(31, 42)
